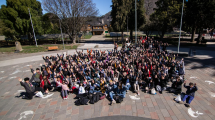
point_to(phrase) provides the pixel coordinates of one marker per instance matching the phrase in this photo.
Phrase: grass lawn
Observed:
(34, 49)
(87, 36)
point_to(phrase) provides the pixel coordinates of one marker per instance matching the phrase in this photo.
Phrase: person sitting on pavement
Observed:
(29, 88)
(111, 91)
(46, 85)
(36, 77)
(190, 93)
(65, 88)
(176, 86)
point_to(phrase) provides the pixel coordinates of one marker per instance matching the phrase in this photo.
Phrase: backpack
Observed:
(101, 96)
(91, 99)
(118, 98)
(94, 98)
(97, 97)
(82, 101)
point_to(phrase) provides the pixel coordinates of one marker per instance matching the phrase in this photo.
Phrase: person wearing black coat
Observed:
(150, 86)
(176, 86)
(30, 89)
(190, 93)
(161, 84)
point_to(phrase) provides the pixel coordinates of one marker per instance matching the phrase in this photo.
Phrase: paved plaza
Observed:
(200, 70)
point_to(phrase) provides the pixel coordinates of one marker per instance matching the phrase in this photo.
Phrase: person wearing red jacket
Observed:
(45, 84)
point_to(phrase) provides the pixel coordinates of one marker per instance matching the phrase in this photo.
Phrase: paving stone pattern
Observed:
(159, 106)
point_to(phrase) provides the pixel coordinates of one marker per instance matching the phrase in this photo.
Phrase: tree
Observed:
(16, 18)
(166, 15)
(73, 14)
(123, 10)
(148, 27)
(140, 16)
(148, 5)
(51, 23)
(1, 27)
(199, 15)
(119, 15)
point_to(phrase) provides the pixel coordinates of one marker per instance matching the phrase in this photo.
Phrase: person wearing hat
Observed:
(30, 89)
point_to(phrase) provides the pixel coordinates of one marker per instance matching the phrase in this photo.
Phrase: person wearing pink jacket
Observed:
(65, 88)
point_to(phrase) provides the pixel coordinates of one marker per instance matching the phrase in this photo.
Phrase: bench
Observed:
(53, 48)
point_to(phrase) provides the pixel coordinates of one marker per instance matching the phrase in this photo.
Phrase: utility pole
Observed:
(127, 25)
(135, 22)
(181, 25)
(32, 27)
(61, 35)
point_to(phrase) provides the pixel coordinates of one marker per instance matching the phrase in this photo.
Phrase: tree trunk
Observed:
(74, 39)
(131, 35)
(193, 34)
(162, 35)
(147, 34)
(122, 40)
(200, 36)
(30, 38)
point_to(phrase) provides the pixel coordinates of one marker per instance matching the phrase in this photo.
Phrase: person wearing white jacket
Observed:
(81, 89)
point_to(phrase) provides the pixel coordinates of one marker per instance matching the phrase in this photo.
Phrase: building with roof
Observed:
(99, 25)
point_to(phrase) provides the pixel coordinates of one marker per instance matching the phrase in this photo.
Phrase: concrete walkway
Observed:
(97, 38)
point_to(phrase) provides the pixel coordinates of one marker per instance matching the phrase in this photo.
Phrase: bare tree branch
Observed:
(73, 14)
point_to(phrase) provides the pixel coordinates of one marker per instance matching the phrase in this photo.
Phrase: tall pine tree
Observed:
(16, 19)
(140, 16)
(199, 14)
(119, 15)
(166, 15)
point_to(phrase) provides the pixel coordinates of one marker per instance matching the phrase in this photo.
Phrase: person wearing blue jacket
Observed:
(111, 91)
(190, 93)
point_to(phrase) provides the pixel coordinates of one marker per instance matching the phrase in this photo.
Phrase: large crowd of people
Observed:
(145, 68)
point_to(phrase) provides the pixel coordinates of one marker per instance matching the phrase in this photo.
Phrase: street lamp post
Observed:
(127, 25)
(181, 26)
(32, 27)
(135, 22)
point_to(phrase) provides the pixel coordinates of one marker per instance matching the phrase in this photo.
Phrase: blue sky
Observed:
(102, 5)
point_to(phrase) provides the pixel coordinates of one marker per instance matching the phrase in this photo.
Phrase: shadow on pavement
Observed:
(120, 117)
(201, 63)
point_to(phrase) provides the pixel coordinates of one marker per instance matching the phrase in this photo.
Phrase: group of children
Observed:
(143, 67)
